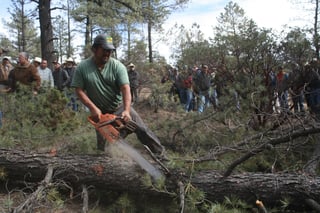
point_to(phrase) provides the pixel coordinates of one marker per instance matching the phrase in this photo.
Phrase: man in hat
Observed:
(5, 68)
(102, 84)
(134, 80)
(36, 61)
(60, 76)
(69, 67)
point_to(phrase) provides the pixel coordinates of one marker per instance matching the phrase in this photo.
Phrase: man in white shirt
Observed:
(45, 75)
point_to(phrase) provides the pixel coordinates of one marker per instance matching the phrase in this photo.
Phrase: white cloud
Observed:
(268, 14)
(274, 13)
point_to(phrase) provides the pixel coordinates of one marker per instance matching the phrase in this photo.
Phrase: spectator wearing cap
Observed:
(45, 75)
(60, 76)
(70, 68)
(102, 84)
(24, 73)
(5, 68)
(134, 79)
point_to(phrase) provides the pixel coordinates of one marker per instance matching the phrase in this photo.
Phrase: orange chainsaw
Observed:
(114, 129)
(110, 125)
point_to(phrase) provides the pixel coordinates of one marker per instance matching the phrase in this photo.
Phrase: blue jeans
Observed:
(183, 95)
(189, 96)
(283, 101)
(1, 119)
(298, 101)
(72, 97)
(315, 100)
(214, 98)
(204, 101)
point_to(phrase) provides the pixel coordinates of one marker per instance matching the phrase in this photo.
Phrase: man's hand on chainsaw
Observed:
(125, 115)
(96, 115)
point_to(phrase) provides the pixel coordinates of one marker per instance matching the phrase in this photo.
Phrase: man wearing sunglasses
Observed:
(102, 84)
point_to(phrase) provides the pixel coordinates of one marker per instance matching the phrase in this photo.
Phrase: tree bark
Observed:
(106, 173)
(47, 48)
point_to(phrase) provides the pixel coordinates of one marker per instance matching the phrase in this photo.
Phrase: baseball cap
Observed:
(103, 41)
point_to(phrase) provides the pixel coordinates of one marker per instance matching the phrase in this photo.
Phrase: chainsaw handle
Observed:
(91, 120)
(104, 118)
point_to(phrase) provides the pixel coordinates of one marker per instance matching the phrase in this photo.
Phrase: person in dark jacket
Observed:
(25, 73)
(60, 76)
(202, 82)
(134, 80)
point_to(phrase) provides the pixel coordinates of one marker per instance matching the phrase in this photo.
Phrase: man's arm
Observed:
(51, 79)
(95, 111)
(36, 77)
(66, 77)
(126, 98)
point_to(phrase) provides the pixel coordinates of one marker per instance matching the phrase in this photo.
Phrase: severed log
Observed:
(106, 173)
(100, 171)
(267, 187)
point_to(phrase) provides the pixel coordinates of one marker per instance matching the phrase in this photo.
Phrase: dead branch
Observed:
(27, 206)
(85, 198)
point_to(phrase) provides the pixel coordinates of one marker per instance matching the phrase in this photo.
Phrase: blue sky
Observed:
(267, 13)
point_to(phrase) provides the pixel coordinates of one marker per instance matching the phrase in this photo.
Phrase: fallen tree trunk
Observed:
(106, 173)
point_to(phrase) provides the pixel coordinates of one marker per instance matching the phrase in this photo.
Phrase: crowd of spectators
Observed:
(36, 74)
(289, 91)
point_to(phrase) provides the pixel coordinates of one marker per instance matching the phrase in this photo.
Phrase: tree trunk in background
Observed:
(46, 31)
(88, 34)
(69, 52)
(106, 173)
(149, 32)
(315, 30)
(150, 42)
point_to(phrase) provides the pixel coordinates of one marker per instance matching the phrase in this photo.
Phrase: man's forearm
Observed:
(126, 96)
(85, 99)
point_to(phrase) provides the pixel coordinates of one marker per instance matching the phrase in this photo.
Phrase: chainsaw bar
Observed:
(109, 127)
(139, 159)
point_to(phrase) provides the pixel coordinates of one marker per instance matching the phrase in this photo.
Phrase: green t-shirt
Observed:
(102, 87)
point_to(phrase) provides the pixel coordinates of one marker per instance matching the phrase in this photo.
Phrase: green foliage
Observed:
(296, 47)
(8, 204)
(285, 203)
(3, 173)
(194, 197)
(31, 121)
(22, 27)
(55, 198)
(123, 204)
(159, 98)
